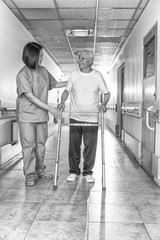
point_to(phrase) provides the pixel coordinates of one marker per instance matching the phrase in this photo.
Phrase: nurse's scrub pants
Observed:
(33, 138)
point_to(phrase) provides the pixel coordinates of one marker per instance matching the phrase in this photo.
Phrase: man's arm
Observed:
(41, 104)
(61, 84)
(105, 101)
(64, 97)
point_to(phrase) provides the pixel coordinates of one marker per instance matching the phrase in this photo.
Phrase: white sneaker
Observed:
(89, 179)
(72, 177)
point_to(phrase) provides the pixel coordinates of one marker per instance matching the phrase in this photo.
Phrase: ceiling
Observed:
(108, 24)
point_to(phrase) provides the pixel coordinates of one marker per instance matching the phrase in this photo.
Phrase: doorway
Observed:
(120, 98)
(149, 98)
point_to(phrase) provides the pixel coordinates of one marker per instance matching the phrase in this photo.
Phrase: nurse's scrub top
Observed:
(38, 82)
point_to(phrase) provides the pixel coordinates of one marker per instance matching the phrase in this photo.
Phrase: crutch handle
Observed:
(102, 108)
(60, 111)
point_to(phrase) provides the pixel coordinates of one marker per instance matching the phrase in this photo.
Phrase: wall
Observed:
(13, 38)
(132, 55)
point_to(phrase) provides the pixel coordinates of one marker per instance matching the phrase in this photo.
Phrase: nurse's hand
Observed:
(55, 112)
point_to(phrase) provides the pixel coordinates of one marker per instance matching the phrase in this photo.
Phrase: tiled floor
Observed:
(129, 209)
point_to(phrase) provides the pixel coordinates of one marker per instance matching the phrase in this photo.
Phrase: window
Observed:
(149, 54)
(149, 58)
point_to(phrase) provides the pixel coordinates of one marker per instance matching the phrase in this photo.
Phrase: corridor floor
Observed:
(129, 209)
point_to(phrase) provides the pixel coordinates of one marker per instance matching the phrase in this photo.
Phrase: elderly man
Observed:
(84, 88)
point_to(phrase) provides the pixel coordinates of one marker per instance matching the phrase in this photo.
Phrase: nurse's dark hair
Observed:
(31, 53)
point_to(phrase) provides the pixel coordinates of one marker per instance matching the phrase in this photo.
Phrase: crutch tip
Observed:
(103, 188)
(54, 187)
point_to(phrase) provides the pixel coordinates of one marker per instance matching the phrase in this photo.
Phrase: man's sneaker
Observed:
(89, 179)
(72, 177)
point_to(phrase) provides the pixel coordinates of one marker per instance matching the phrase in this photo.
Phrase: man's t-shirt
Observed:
(85, 89)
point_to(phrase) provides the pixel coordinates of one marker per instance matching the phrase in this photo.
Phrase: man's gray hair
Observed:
(88, 53)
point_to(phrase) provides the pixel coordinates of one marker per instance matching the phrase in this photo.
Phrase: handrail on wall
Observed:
(132, 109)
(112, 107)
(7, 112)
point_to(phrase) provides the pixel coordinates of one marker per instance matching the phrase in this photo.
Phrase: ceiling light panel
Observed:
(102, 63)
(68, 67)
(63, 54)
(81, 39)
(57, 44)
(62, 60)
(62, 49)
(65, 58)
(79, 49)
(82, 44)
(108, 51)
(39, 14)
(104, 45)
(77, 13)
(34, 3)
(122, 13)
(119, 24)
(103, 56)
(113, 24)
(80, 33)
(79, 24)
(76, 4)
(52, 38)
(103, 24)
(100, 59)
(104, 40)
(106, 14)
(110, 33)
(118, 4)
(47, 28)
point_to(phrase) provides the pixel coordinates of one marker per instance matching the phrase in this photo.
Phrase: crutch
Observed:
(103, 152)
(58, 150)
(81, 124)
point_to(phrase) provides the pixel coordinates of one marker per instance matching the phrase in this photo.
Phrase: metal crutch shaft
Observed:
(57, 153)
(103, 152)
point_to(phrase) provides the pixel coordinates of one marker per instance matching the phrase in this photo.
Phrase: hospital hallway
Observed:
(129, 209)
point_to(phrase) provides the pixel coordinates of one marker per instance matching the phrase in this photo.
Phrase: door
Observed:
(149, 98)
(120, 98)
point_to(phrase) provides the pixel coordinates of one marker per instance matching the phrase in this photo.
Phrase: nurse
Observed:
(33, 84)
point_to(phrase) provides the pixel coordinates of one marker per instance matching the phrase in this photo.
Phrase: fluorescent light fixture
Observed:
(79, 32)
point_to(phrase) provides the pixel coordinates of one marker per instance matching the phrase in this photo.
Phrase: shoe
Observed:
(45, 175)
(72, 177)
(30, 182)
(89, 179)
